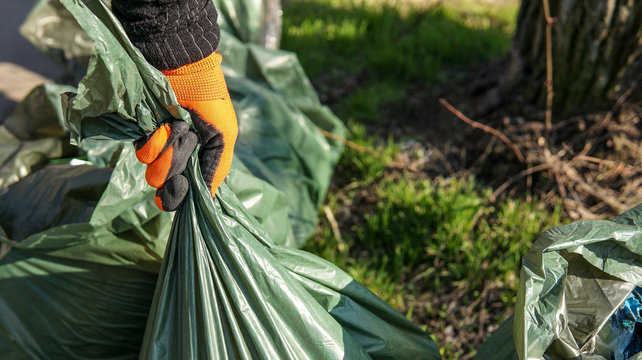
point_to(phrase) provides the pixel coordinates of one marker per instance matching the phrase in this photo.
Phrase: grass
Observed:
(388, 46)
(404, 222)
(409, 238)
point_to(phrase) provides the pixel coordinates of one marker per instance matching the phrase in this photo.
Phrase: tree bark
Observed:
(597, 53)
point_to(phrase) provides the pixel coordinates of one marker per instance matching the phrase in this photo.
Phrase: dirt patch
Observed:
(590, 162)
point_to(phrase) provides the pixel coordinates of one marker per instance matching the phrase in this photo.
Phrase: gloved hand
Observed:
(166, 152)
(200, 88)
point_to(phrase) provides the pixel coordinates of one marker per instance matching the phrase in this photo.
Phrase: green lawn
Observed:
(412, 239)
(388, 46)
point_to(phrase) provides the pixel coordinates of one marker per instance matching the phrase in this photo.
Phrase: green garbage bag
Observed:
(500, 345)
(279, 110)
(228, 287)
(32, 134)
(572, 282)
(83, 287)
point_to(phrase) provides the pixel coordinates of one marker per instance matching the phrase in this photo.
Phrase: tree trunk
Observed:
(597, 53)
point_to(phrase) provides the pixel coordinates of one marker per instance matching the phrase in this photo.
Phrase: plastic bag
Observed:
(573, 282)
(32, 134)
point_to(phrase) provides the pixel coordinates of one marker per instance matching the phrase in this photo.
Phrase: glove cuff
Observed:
(199, 81)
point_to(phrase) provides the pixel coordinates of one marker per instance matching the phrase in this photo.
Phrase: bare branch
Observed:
(483, 127)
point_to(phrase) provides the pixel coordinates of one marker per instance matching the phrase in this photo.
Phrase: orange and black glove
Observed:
(200, 88)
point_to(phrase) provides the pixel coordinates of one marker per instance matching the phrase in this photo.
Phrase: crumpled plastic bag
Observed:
(32, 134)
(573, 282)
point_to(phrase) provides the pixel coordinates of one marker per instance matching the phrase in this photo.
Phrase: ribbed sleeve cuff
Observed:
(181, 34)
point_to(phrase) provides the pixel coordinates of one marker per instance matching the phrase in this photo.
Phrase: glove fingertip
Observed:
(184, 146)
(179, 127)
(150, 148)
(171, 195)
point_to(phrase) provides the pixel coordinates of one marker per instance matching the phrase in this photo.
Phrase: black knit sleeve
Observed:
(170, 33)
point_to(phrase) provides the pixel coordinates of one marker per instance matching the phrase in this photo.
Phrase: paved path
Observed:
(22, 66)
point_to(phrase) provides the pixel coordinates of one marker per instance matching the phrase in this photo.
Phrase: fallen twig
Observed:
(483, 127)
(609, 115)
(443, 159)
(529, 171)
(598, 161)
(596, 192)
(349, 143)
(482, 158)
(334, 225)
(502, 188)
